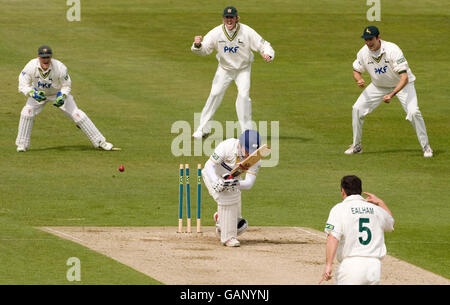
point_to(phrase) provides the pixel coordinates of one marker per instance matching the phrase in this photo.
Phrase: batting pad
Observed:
(24, 131)
(91, 131)
(227, 221)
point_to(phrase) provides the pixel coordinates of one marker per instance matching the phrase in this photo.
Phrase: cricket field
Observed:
(134, 75)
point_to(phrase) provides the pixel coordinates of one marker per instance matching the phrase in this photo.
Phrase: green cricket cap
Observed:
(45, 51)
(230, 11)
(370, 31)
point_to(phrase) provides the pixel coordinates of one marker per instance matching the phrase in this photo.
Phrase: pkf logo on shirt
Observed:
(44, 85)
(381, 70)
(230, 49)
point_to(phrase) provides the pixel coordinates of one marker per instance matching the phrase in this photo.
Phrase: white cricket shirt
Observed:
(54, 79)
(227, 156)
(359, 226)
(383, 65)
(234, 52)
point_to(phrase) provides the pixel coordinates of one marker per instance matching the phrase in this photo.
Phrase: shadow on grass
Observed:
(301, 139)
(417, 152)
(65, 148)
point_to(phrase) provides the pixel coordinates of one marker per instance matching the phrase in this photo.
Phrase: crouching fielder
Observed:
(391, 76)
(227, 193)
(46, 79)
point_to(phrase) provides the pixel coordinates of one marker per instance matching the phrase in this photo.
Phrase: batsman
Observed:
(226, 191)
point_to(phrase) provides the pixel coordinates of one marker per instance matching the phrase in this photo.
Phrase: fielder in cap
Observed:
(227, 193)
(391, 76)
(46, 79)
(355, 229)
(235, 43)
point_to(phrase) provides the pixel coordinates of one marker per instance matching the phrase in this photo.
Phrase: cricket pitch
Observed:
(268, 255)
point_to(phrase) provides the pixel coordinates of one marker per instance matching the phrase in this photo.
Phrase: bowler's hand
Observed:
(372, 198)
(267, 58)
(198, 41)
(326, 276)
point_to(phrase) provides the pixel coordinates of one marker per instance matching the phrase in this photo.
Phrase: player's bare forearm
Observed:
(401, 84)
(358, 78)
(331, 248)
(332, 245)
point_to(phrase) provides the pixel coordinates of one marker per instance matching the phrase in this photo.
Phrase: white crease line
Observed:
(64, 234)
(306, 231)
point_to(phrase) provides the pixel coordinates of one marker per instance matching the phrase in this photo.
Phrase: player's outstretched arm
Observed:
(202, 46)
(258, 44)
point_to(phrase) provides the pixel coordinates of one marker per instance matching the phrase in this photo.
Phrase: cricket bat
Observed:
(248, 162)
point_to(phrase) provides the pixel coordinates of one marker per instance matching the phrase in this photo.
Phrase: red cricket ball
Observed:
(121, 168)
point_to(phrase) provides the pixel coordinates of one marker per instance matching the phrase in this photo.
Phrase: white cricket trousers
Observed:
(371, 98)
(69, 108)
(221, 81)
(229, 208)
(359, 271)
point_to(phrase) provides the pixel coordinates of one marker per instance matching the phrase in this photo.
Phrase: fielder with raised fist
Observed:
(46, 79)
(235, 43)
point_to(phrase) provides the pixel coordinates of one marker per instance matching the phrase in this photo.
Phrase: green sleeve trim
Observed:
(401, 72)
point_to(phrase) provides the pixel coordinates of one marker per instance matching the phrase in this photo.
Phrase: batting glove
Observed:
(59, 99)
(231, 184)
(38, 95)
(218, 186)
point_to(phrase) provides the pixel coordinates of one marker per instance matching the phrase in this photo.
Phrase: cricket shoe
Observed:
(106, 146)
(241, 226)
(428, 152)
(198, 135)
(21, 148)
(353, 149)
(232, 242)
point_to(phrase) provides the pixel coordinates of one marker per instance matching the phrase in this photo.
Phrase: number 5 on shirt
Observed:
(362, 228)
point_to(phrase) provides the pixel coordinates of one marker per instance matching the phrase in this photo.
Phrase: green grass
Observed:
(134, 75)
